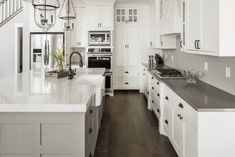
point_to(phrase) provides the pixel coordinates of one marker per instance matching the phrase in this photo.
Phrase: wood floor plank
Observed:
(129, 129)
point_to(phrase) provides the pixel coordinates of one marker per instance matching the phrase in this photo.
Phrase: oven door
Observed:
(108, 82)
(100, 61)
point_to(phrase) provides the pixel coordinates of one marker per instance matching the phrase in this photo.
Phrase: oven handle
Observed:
(100, 56)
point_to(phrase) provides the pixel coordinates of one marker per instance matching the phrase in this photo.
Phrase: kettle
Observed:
(158, 59)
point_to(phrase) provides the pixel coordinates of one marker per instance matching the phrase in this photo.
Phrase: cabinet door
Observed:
(120, 47)
(94, 18)
(193, 23)
(107, 13)
(177, 131)
(132, 37)
(210, 26)
(190, 140)
(156, 26)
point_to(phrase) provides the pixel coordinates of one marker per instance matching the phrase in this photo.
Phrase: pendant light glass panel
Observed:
(68, 14)
(45, 13)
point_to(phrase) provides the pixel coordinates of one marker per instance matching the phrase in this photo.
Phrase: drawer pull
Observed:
(90, 130)
(158, 94)
(126, 72)
(180, 117)
(152, 78)
(166, 121)
(148, 93)
(91, 111)
(126, 83)
(152, 87)
(157, 83)
(166, 98)
(90, 155)
(152, 101)
(181, 105)
(158, 110)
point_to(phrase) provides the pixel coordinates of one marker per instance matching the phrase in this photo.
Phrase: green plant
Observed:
(59, 56)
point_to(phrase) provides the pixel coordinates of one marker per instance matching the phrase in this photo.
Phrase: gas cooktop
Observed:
(168, 73)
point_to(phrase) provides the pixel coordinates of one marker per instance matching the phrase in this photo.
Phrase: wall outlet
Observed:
(227, 72)
(206, 66)
(172, 58)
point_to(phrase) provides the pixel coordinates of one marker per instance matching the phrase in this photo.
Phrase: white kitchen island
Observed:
(49, 117)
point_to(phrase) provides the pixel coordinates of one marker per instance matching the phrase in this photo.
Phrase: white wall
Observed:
(7, 45)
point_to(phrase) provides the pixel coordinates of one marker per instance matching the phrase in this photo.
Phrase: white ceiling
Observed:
(123, 1)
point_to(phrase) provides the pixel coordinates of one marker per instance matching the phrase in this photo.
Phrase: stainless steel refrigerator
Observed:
(42, 45)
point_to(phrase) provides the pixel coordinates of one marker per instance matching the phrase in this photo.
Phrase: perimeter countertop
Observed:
(31, 91)
(201, 96)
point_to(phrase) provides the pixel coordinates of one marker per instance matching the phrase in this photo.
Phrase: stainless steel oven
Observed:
(100, 61)
(99, 38)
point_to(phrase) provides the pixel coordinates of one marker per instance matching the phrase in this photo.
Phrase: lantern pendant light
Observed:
(68, 14)
(45, 13)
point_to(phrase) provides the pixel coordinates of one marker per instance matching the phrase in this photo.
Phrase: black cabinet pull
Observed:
(158, 110)
(195, 44)
(90, 130)
(158, 94)
(166, 98)
(157, 83)
(166, 121)
(181, 105)
(181, 43)
(91, 111)
(152, 101)
(148, 93)
(181, 117)
(126, 83)
(90, 155)
(126, 72)
(152, 78)
(152, 87)
(198, 42)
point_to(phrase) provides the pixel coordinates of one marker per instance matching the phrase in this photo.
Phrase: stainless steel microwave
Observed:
(99, 38)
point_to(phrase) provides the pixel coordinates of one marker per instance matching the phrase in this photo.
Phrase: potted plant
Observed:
(59, 56)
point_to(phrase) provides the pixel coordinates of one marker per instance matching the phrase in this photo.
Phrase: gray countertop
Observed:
(201, 96)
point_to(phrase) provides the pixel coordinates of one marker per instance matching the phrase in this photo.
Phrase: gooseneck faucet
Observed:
(72, 72)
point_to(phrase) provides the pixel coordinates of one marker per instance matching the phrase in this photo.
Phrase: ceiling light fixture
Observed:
(45, 13)
(68, 14)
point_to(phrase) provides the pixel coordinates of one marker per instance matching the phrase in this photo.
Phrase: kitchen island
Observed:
(49, 117)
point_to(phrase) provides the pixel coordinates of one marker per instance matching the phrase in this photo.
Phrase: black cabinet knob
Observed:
(126, 72)
(158, 94)
(152, 101)
(158, 110)
(91, 111)
(126, 83)
(157, 83)
(166, 121)
(152, 87)
(152, 78)
(181, 105)
(166, 98)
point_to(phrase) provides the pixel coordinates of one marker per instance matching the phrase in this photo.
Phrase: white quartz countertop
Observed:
(33, 92)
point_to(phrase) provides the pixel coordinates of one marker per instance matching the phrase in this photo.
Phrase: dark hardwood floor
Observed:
(130, 130)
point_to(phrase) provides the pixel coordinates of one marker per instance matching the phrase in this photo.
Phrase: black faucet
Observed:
(73, 72)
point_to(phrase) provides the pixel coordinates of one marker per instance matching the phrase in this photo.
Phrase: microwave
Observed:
(99, 38)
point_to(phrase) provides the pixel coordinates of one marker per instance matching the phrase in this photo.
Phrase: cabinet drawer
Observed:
(127, 72)
(126, 83)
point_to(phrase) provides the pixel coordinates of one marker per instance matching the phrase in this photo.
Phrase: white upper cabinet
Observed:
(155, 24)
(210, 28)
(125, 16)
(170, 17)
(100, 17)
(193, 24)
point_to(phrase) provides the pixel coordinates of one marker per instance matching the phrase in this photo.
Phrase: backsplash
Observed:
(216, 67)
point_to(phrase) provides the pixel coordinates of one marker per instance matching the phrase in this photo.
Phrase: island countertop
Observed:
(31, 91)
(201, 96)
